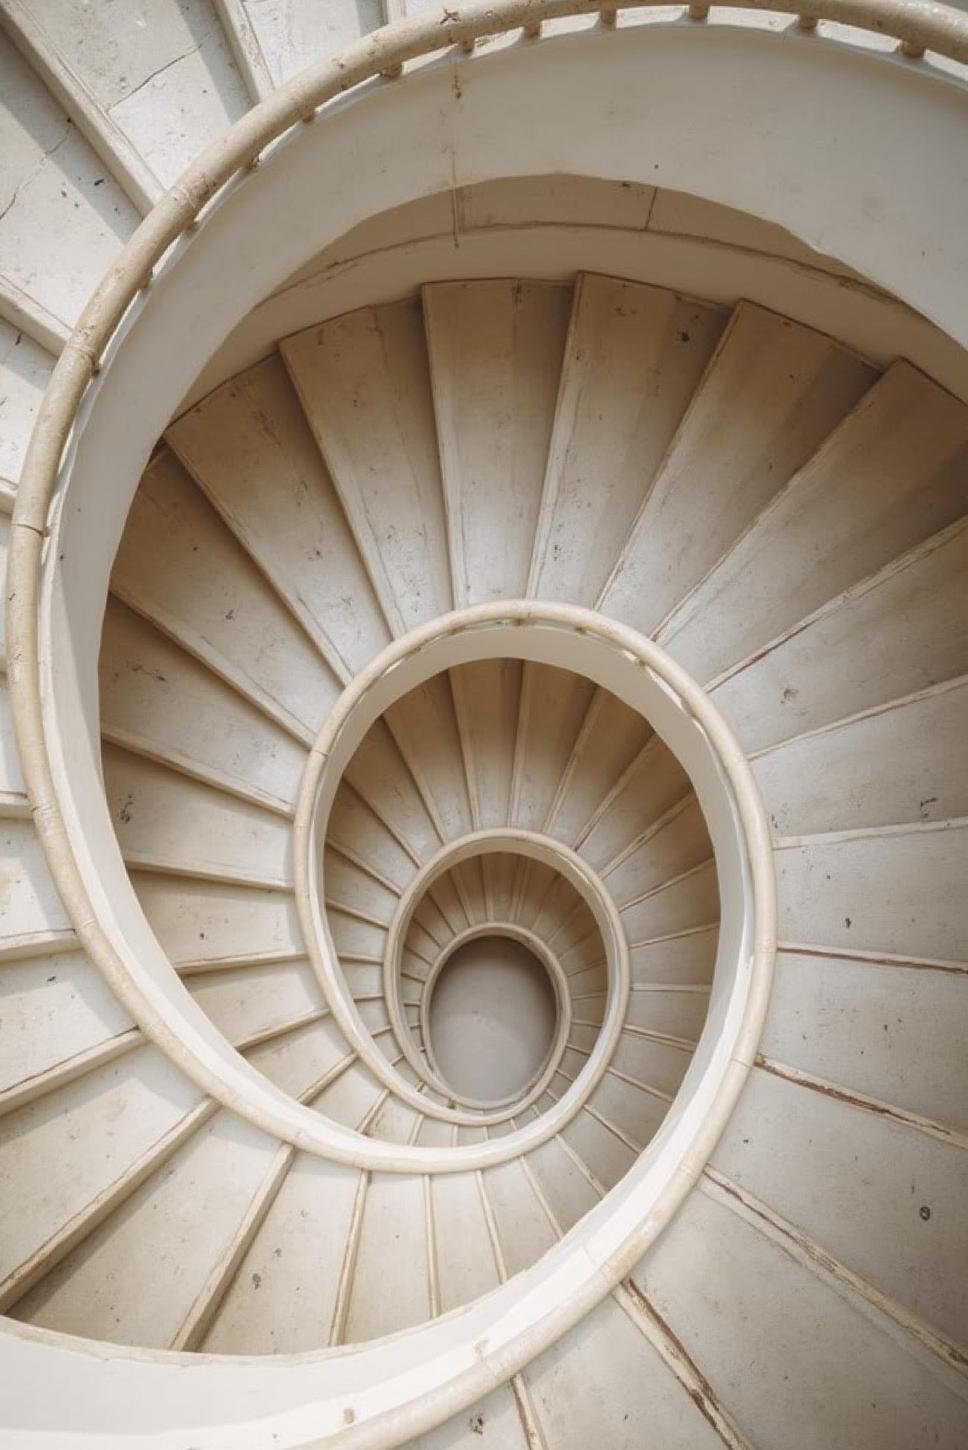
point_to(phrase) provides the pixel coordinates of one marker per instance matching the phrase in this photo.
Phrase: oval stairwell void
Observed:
(492, 1016)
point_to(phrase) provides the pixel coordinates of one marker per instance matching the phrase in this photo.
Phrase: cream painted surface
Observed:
(165, 1222)
(62, 220)
(25, 370)
(161, 69)
(494, 993)
(295, 33)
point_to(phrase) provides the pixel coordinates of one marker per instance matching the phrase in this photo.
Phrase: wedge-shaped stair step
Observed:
(251, 450)
(487, 696)
(362, 978)
(632, 362)
(78, 1147)
(301, 35)
(689, 900)
(296, 1059)
(424, 725)
(845, 1382)
(556, 908)
(554, 705)
(677, 1014)
(160, 701)
(565, 1187)
(606, 1153)
(687, 958)
(208, 924)
(355, 938)
(169, 822)
(372, 364)
(352, 1097)
(389, 1287)
(905, 762)
(438, 913)
(355, 827)
(136, 1278)
(773, 392)
(651, 785)
(834, 1169)
(251, 1000)
(500, 872)
(891, 475)
(519, 1227)
(675, 843)
(887, 1031)
(54, 1009)
(902, 630)
(896, 891)
(394, 1121)
(179, 565)
(610, 741)
(435, 1134)
(632, 1114)
(283, 1297)
(357, 889)
(469, 885)
(651, 1060)
(604, 1377)
(30, 909)
(465, 1263)
(381, 776)
(496, 349)
(167, 125)
(57, 202)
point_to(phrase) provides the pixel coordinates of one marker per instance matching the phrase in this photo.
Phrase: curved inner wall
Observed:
(492, 1018)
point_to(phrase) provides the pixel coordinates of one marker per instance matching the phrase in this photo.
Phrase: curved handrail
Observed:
(918, 25)
(419, 654)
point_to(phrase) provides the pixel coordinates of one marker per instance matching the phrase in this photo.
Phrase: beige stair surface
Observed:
(487, 964)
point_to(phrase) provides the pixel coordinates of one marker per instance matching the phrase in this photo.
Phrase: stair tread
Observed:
(373, 363)
(855, 1182)
(891, 475)
(901, 630)
(894, 1033)
(250, 448)
(188, 826)
(61, 201)
(895, 893)
(495, 355)
(773, 392)
(25, 370)
(632, 362)
(73, 1144)
(197, 91)
(268, 1308)
(134, 1279)
(603, 1381)
(854, 1387)
(198, 921)
(178, 565)
(159, 696)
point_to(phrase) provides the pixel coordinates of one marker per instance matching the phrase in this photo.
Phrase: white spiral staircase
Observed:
(484, 793)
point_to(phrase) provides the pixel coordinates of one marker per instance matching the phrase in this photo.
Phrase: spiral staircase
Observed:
(484, 793)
